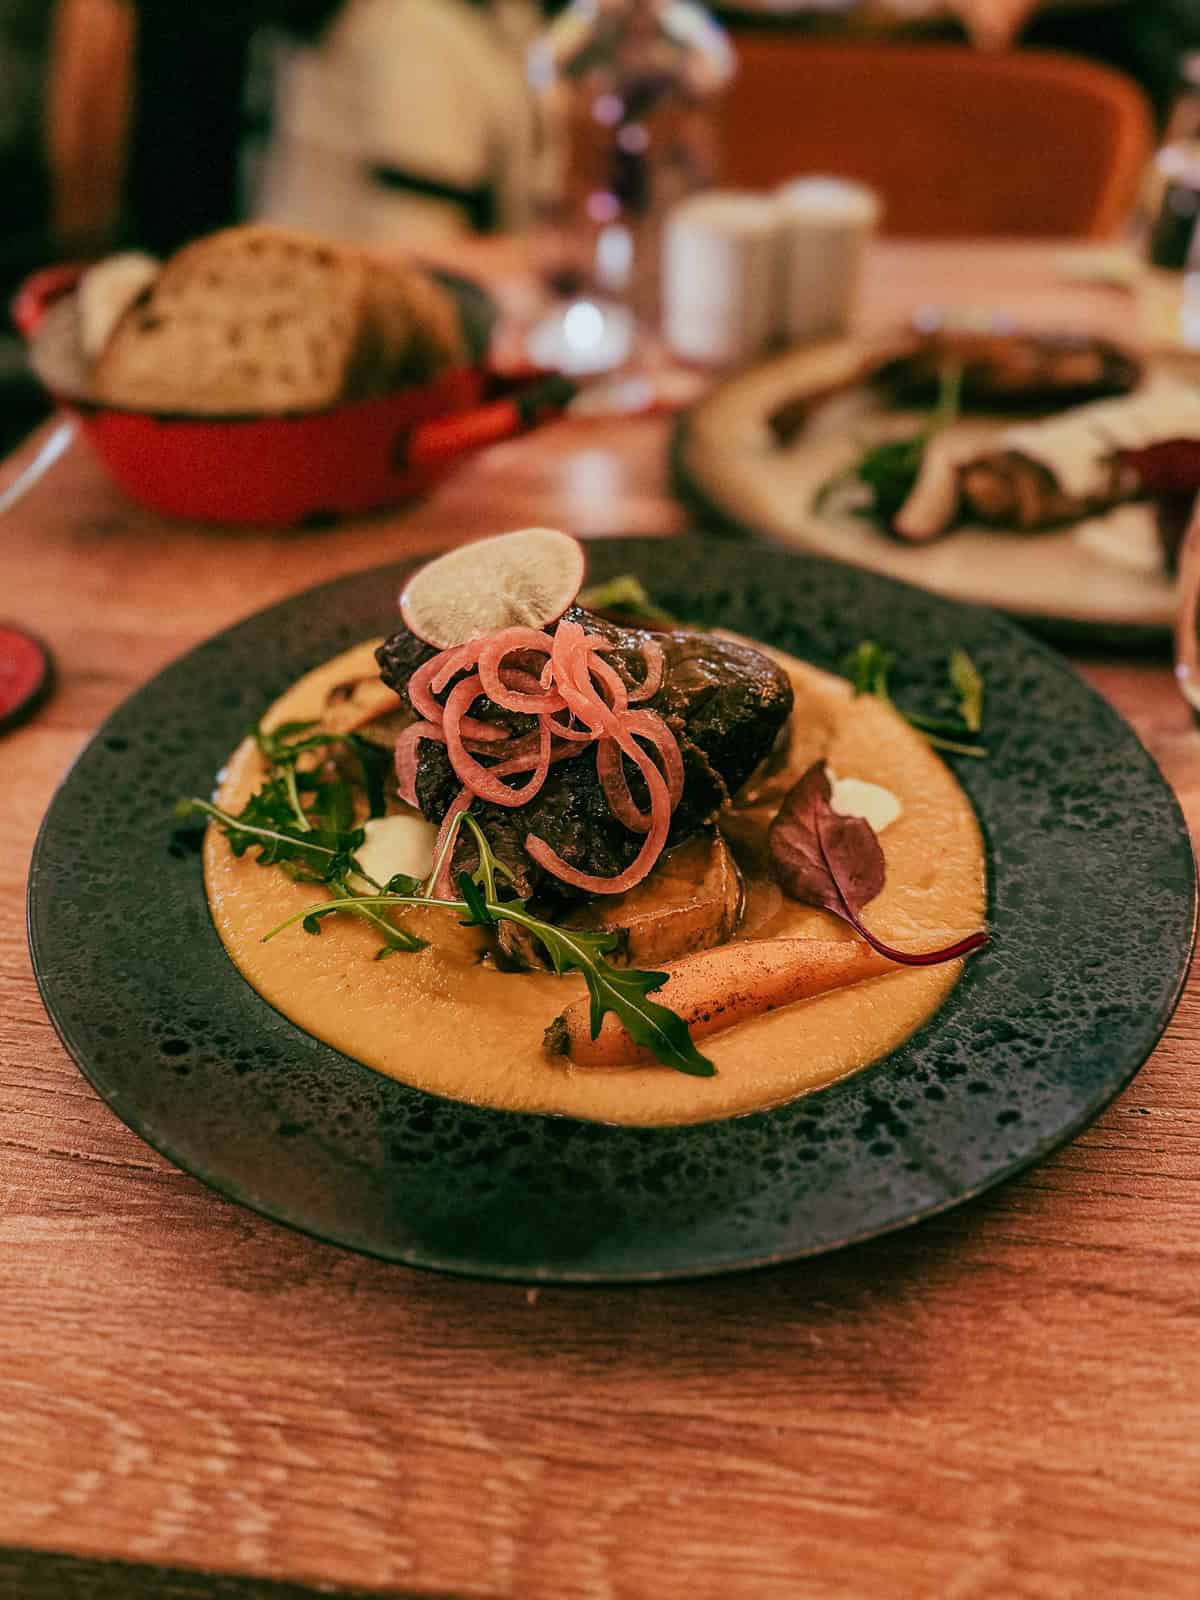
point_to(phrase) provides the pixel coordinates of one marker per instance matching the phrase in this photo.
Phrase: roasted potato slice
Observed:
(358, 702)
(691, 901)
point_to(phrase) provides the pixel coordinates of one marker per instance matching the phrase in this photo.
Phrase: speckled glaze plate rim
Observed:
(1019, 1059)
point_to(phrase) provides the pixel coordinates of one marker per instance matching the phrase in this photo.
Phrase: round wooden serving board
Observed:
(728, 460)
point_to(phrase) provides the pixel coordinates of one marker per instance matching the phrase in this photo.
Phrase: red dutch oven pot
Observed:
(315, 466)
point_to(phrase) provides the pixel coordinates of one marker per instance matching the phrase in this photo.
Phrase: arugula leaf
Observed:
(490, 866)
(869, 665)
(622, 990)
(333, 804)
(394, 938)
(402, 883)
(314, 855)
(317, 842)
(377, 762)
(478, 915)
(627, 595)
(325, 852)
(283, 746)
(964, 675)
(889, 471)
(285, 742)
(313, 842)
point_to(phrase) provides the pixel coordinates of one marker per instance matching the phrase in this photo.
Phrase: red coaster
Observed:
(25, 674)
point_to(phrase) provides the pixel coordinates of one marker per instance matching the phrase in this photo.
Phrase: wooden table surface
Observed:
(1002, 1402)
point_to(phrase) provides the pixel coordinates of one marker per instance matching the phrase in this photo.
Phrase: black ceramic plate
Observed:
(1092, 910)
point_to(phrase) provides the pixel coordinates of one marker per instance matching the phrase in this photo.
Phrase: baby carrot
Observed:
(714, 989)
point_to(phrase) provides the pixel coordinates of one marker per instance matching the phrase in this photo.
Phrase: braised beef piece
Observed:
(725, 702)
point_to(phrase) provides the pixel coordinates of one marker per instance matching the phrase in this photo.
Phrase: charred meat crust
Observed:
(724, 701)
(1011, 369)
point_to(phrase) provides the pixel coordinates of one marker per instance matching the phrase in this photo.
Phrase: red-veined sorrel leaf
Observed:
(823, 859)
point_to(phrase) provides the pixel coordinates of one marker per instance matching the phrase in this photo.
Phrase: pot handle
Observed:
(39, 292)
(520, 406)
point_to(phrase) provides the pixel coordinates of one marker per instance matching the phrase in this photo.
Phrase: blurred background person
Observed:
(398, 120)
(378, 119)
(27, 235)
(145, 114)
(373, 119)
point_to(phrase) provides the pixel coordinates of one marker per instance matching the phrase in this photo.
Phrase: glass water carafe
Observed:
(627, 93)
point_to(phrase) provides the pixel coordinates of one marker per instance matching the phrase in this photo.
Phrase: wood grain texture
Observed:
(1004, 1402)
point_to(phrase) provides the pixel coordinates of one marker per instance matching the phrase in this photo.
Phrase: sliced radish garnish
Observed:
(523, 579)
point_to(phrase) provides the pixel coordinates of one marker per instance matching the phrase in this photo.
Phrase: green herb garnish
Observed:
(622, 990)
(891, 469)
(869, 666)
(277, 822)
(302, 820)
(627, 596)
(964, 675)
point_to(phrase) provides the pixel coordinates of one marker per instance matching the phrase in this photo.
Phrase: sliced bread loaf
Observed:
(414, 330)
(106, 292)
(250, 320)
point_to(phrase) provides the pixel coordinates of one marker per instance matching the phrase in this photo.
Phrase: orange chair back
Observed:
(957, 141)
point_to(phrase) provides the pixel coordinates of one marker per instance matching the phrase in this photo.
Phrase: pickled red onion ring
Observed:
(528, 745)
(561, 731)
(420, 686)
(432, 677)
(656, 669)
(452, 661)
(489, 664)
(524, 682)
(573, 678)
(406, 753)
(610, 769)
(597, 702)
(523, 760)
(444, 884)
(649, 725)
(660, 821)
(481, 780)
(613, 681)
(406, 759)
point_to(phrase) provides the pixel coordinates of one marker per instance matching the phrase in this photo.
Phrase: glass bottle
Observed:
(1171, 192)
(627, 93)
(1167, 228)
